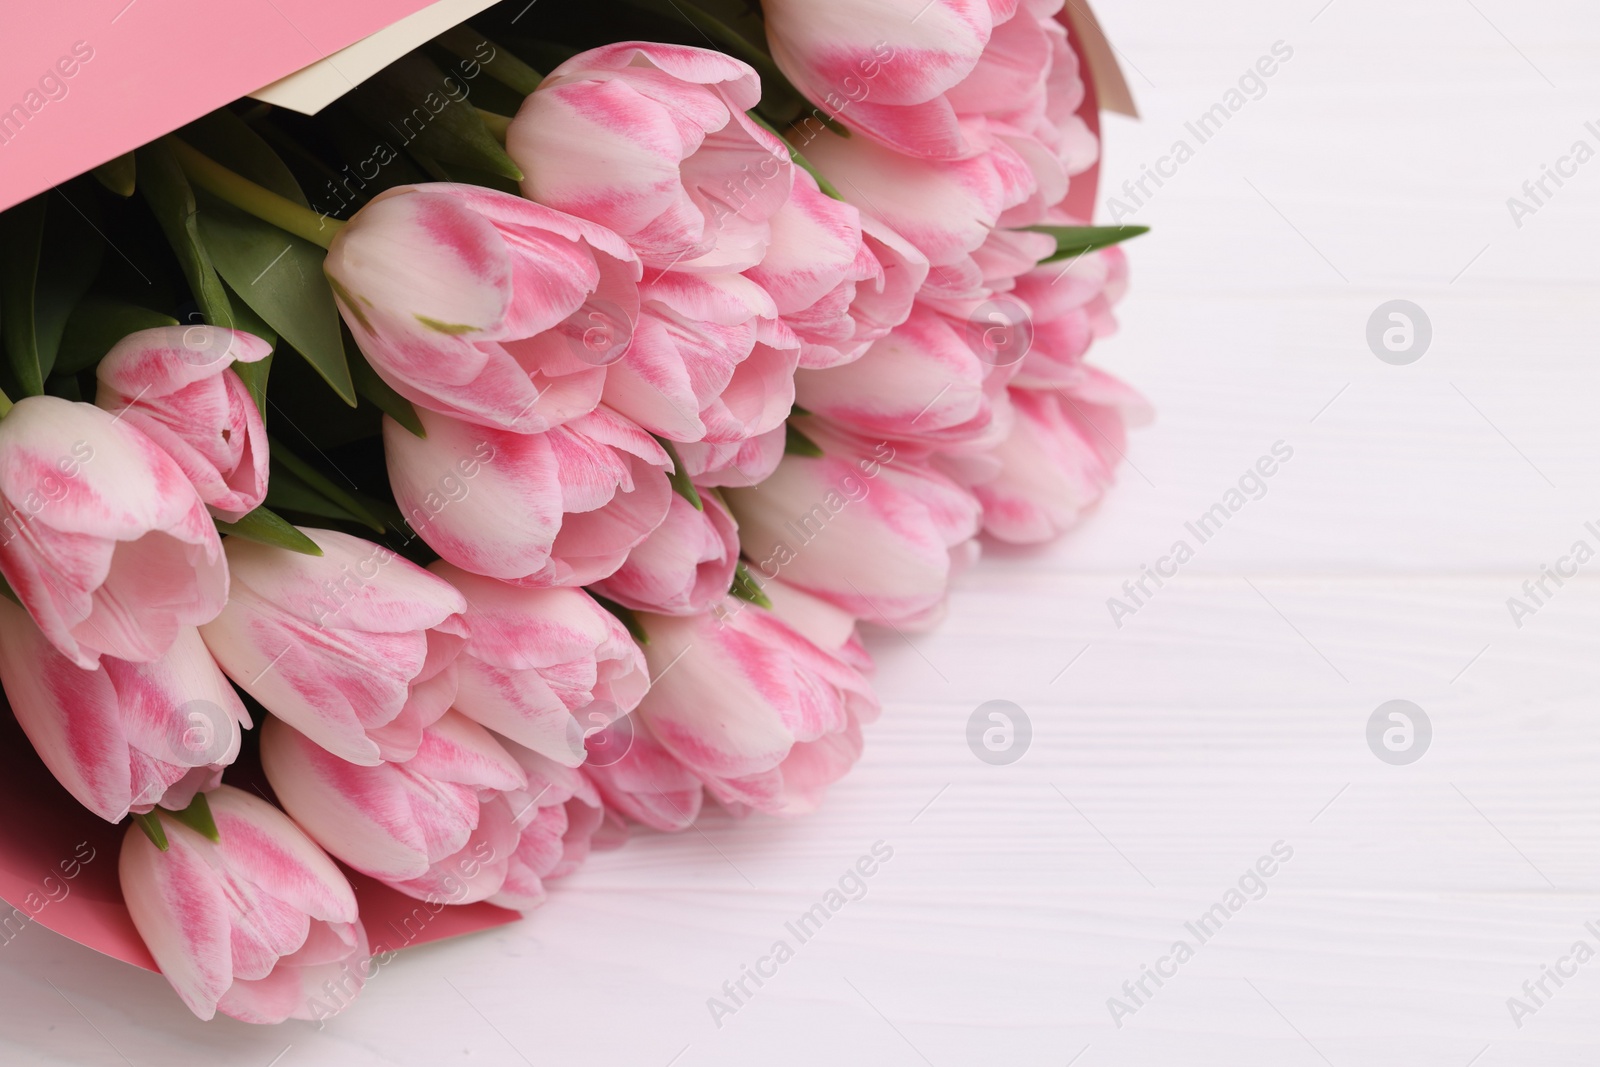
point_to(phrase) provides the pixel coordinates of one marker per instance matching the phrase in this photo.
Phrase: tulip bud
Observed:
(652, 141)
(356, 647)
(747, 462)
(258, 924)
(639, 779)
(124, 736)
(1060, 456)
(839, 280)
(175, 385)
(557, 815)
(711, 360)
(102, 536)
(683, 567)
(1071, 303)
(922, 382)
(559, 508)
(543, 667)
(872, 528)
(483, 306)
(764, 717)
(884, 70)
(437, 827)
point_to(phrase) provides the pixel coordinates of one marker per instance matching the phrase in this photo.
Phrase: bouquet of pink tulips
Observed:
(412, 497)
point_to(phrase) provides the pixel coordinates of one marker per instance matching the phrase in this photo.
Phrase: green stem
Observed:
(497, 125)
(466, 43)
(5, 404)
(246, 195)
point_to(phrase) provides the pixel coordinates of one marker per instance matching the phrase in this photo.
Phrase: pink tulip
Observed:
(840, 281)
(870, 527)
(970, 292)
(1060, 457)
(174, 385)
(739, 463)
(481, 305)
(258, 924)
(1025, 91)
(940, 378)
(543, 666)
(559, 508)
(639, 779)
(436, 827)
(652, 141)
(1070, 305)
(711, 360)
(765, 718)
(1004, 144)
(682, 568)
(955, 79)
(923, 382)
(885, 70)
(105, 541)
(945, 208)
(823, 624)
(355, 648)
(123, 736)
(558, 814)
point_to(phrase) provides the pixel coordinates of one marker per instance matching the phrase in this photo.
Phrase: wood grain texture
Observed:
(1228, 714)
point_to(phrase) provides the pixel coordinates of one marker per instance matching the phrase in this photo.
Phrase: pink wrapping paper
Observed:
(58, 868)
(143, 68)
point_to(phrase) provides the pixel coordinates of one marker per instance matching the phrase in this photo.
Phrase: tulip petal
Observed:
(177, 905)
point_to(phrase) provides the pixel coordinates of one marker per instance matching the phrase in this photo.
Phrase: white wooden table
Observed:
(1227, 715)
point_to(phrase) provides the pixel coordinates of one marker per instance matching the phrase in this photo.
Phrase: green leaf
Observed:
(247, 320)
(226, 138)
(51, 255)
(796, 443)
(1077, 240)
(285, 492)
(680, 481)
(197, 817)
(69, 264)
(411, 100)
(629, 620)
(364, 151)
(22, 237)
(306, 479)
(543, 54)
(66, 386)
(268, 528)
(745, 587)
(254, 375)
(383, 396)
(279, 276)
(468, 176)
(150, 823)
(118, 174)
(468, 44)
(165, 188)
(95, 325)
